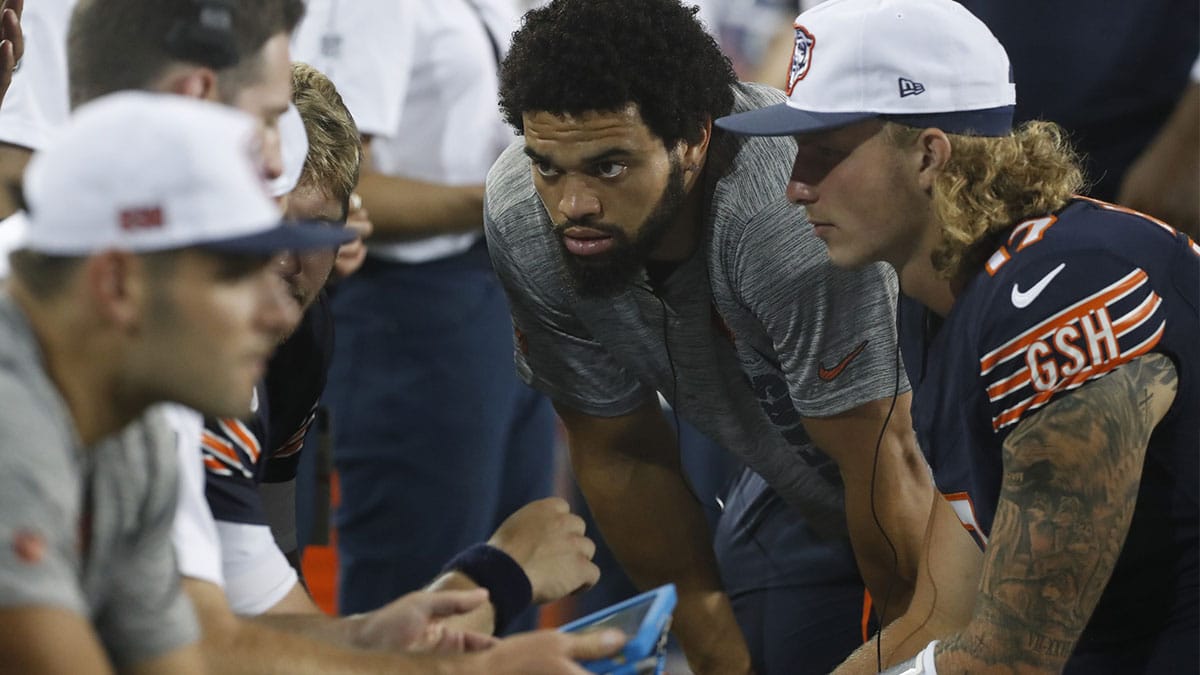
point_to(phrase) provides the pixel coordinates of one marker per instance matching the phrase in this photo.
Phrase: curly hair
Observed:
(334, 147)
(576, 56)
(991, 183)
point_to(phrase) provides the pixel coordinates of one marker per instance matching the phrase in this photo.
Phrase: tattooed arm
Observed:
(1071, 475)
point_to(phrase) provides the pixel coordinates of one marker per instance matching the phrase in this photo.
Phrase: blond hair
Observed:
(334, 147)
(991, 183)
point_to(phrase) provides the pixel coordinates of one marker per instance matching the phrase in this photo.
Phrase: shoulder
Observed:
(509, 185)
(36, 431)
(1088, 247)
(518, 229)
(751, 169)
(1067, 298)
(748, 176)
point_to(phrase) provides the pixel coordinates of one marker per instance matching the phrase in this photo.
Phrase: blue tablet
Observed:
(645, 620)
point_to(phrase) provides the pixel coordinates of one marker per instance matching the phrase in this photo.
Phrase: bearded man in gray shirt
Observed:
(645, 251)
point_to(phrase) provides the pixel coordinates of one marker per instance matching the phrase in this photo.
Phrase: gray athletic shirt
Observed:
(745, 338)
(117, 568)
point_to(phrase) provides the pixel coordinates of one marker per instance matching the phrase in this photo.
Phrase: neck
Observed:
(919, 280)
(82, 370)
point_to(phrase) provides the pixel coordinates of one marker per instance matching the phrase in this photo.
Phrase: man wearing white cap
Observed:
(644, 251)
(149, 283)
(1056, 379)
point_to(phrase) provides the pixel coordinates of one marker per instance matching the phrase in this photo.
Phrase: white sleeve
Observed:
(242, 559)
(36, 104)
(365, 48)
(1196, 70)
(12, 229)
(257, 575)
(194, 533)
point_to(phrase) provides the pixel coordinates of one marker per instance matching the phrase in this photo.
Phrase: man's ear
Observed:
(695, 152)
(116, 281)
(191, 81)
(933, 146)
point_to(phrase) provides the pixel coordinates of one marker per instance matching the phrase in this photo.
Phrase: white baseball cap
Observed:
(293, 146)
(144, 172)
(925, 63)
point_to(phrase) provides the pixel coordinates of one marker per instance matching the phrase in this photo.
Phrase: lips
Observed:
(819, 227)
(585, 241)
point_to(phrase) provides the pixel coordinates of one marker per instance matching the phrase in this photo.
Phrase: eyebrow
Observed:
(535, 156)
(605, 156)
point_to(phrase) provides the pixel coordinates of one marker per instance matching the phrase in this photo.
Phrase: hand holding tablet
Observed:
(645, 620)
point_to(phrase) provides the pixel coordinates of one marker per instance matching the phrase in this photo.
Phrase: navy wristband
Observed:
(508, 588)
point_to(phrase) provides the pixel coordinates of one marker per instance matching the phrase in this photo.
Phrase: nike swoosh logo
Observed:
(829, 374)
(1022, 299)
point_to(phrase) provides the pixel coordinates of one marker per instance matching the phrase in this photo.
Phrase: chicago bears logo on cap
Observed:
(801, 57)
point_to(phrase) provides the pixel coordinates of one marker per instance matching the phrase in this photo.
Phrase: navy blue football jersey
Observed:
(1063, 301)
(241, 454)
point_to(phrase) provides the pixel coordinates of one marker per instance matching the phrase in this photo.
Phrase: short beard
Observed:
(607, 275)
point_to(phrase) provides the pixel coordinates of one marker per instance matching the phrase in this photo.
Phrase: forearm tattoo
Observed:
(1071, 480)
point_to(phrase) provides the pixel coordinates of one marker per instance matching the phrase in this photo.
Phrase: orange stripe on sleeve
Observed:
(219, 447)
(1090, 372)
(1048, 327)
(238, 431)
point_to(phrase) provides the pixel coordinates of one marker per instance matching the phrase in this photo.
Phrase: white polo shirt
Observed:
(420, 76)
(37, 103)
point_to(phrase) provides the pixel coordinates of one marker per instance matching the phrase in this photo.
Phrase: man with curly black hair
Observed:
(644, 251)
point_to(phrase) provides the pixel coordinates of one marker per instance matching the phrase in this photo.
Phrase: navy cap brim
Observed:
(782, 120)
(287, 236)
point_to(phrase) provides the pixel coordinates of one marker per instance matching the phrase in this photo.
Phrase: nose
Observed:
(277, 312)
(287, 264)
(272, 153)
(578, 201)
(802, 187)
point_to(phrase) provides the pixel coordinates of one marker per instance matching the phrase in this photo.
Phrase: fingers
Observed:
(17, 6)
(597, 645)
(7, 62)
(10, 27)
(474, 642)
(559, 511)
(360, 223)
(442, 639)
(587, 546)
(591, 576)
(554, 504)
(351, 249)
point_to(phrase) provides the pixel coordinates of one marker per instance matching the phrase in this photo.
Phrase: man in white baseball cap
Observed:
(1056, 361)
(143, 276)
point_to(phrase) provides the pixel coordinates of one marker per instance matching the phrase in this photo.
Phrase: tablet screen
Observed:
(628, 620)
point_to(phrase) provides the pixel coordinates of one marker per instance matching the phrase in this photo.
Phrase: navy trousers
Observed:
(798, 599)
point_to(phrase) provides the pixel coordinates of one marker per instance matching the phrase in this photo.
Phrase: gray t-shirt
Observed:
(86, 529)
(752, 334)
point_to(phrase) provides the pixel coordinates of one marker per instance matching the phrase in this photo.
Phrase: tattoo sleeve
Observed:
(1071, 476)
